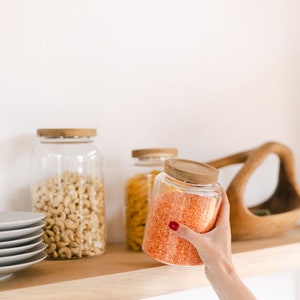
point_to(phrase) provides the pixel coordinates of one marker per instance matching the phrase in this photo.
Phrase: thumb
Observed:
(185, 232)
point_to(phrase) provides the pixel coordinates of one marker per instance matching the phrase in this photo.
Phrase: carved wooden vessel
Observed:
(283, 205)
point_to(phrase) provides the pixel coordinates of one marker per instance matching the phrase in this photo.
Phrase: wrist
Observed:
(226, 281)
(222, 269)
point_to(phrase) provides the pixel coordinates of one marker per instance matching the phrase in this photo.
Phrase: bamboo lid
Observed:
(66, 132)
(154, 152)
(191, 171)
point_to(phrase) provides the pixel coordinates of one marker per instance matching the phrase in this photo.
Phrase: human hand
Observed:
(214, 249)
(213, 245)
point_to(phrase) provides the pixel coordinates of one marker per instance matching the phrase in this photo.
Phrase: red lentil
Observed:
(196, 211)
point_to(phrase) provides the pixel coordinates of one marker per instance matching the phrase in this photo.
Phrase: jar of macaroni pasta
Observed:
(147, 164)
(67, 184)
(186, 192)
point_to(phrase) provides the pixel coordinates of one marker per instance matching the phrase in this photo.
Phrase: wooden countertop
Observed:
(123, 274)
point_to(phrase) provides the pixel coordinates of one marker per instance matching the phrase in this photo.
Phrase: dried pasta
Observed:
(138, 191)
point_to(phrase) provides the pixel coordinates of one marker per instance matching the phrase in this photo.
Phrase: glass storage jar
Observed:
(186, 192)
(147, 164)
(67, 184)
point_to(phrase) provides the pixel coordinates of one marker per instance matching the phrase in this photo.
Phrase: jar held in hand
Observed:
(186, 192)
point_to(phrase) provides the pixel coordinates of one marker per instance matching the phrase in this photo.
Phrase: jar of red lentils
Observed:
(186, 192)
(67, 185)
(147, 164)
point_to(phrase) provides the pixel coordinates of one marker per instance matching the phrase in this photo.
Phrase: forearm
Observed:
(227, 284)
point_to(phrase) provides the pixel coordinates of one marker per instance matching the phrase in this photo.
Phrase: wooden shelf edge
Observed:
(160, 280)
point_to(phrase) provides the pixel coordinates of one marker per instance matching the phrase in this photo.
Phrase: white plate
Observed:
(20, 249)
(13, 259)
(23, 240)
(13, 234)
(18, 219)
(7, 271)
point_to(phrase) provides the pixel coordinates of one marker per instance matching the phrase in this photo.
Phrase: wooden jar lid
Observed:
(154, 152)
(66, 132)
(191, 171)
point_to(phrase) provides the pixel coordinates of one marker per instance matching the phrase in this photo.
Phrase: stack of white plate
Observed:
(21, 243)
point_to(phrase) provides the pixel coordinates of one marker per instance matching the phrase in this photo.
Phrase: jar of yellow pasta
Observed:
(147, 164)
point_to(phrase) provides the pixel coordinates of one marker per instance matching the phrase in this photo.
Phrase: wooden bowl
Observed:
(283, 206)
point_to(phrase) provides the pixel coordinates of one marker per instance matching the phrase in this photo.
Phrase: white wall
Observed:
(208, 77)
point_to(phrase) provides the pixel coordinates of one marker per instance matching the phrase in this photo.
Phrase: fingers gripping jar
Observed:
(67, 185)
(148, 163)
(186, 192)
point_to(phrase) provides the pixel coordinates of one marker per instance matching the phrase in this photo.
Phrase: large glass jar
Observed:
(147, 164)
(186, 192)
(67, 184)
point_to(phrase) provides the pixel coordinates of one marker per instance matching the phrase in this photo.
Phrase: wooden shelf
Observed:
(120, 273)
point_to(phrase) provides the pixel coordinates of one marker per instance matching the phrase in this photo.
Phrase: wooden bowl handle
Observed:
(252, 159)
(237, 158)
